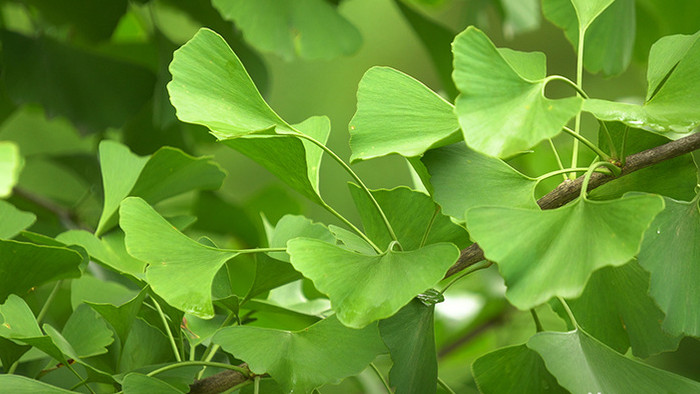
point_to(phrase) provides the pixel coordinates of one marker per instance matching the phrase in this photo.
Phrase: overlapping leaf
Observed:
(180, 269)
(311, 29)
(108, 250)
(501, 107)
(462, 178)
(363, 288)
(23, 385)
(135, 383)
(26, 265)
(87, 332)
(304, 360)
(121, 317)
(542, 254)
(12, 220)
(167, 173)
(398, 114)
(670, 253)
(581, 364)
(10, 165)
(514, 369)
(672, 100)
(616, 309)
(410, 337)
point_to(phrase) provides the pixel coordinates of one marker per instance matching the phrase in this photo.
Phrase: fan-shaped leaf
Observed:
(581, 364)
(542, 254)
(398, 114)
(136, 383)
(362, 287)
(301, 361)
(23, 385)
(12, 220)
(501, 107)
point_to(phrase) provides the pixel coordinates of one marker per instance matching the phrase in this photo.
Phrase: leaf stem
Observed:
(586, 142)
(261, 250)
(430, 226)
(538, 324)
(167, 329)
(623, 158)
(568, 311)
(556, 156)
(569, 82)
(445, 386)
(472, 269)
(352, 226)
(213, 347)
(381, 377)
(586, 179)
(256, 385)
(613, 149)
(579, 85)
(562, 171)
(48, 302)
(354, 176)
(169, 367)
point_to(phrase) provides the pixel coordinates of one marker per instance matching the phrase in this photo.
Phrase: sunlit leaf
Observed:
(359, 286)
(672, 95)
(87, 332)
(410, 337)
(180, 269)
(616, 309)
(670, 253)
(501, 108)
(398, 114)
(312, 29)
(304, 360)
(462, 178)
(109, 250)
(581, 364)
(25, 265)
(424, 225)
(12, 220)
(514, 369)
(10, 164)
(542, 254)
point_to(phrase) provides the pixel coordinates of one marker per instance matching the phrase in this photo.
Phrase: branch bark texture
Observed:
(568, 191)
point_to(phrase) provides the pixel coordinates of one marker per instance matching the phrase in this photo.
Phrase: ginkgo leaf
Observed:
(616, 309)
(362, 288)
(26, 265)
(10, 164)
(672, 94)
(424, 226)
(463, 178)
(23, 385)
(410, 337)
(301, 361)
(501, 108)
(136, 383)
(398, 114)
(211, 87)
(514, 369)
(542, 254)
(121, 317)
(87, 332)
(670, 253)
(581, 364)
(12, 220)
(180, 269)
(312, 29)
(108, 250)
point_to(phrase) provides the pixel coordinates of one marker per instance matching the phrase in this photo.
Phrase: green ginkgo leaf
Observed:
(424, 226)
(293, 160)
(410, 337)
(616, 309)
(87, 332)
(673, 102)
(26, 265)
(514, 369)
(12, 220)
(211, 87)
(398, 114)
(670, 253)
(542, 254)
(23, 385)
(121, 317)
(166, 173)
(10, 164)
(108, 250)
(312, 29)
(136, 383)
(364, 288)
(463, 178)
(502, 108)
(180, 269)
(581, 364)
(301, 361)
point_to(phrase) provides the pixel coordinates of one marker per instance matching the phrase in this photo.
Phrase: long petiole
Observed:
(623, 147)
(473, 268)
(352, 226)
(261, 250)
(586, 179)
(381, 377)
(586, 142)
(613, 150)
(48, 302)
(445, 386)
(568, 312)
(167, 329)
(556, 156)
(562, 171)
(213, 348)
(166, 368)
(568, 82)
(579, 86)
(355, 177)
(538, 324)
(430, 226)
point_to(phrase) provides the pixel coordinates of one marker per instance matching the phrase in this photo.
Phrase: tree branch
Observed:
(219, 382)
(568, 191)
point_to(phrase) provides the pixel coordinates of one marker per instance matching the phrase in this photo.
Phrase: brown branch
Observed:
(568, 191)
(219, 382)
